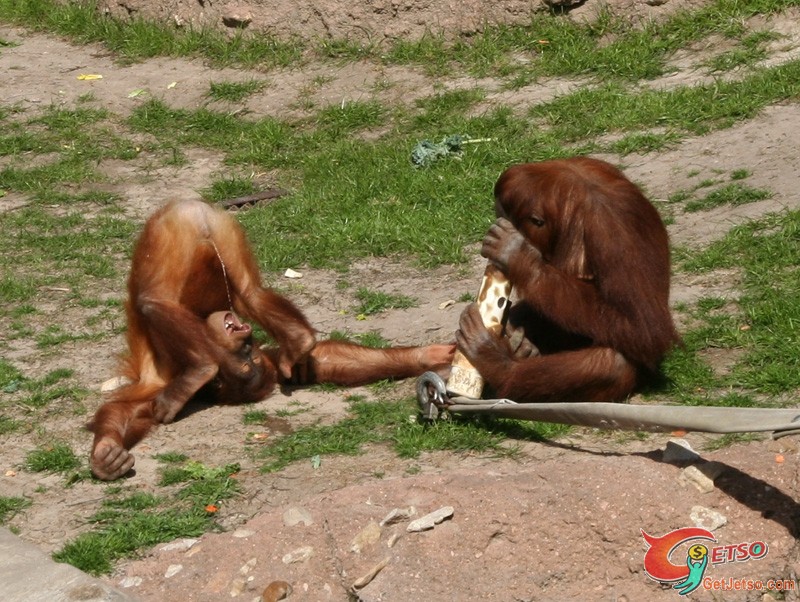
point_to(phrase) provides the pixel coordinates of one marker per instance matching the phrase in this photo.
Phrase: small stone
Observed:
(194, 550)
(296, 515)
(364, 580)
(243, 533)
(237, 587)
(706, 518)
(180, 545)
(237, 16)
(277, 590)
(248, 566)
(130, 582)
(693, 475)
(298, 555)
(430, 520)
(397, 515)
(368, 536)
(679, 451)
(114, 383)
(173, 570)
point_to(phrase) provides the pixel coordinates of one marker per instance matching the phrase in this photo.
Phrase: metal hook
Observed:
(431, 395)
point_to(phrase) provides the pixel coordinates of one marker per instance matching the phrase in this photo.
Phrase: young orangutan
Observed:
(193, 274)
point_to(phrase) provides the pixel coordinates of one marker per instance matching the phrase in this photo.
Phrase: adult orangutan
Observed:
(588, 257)
(193, 274)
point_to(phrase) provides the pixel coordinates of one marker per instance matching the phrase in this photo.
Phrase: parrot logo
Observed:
(686, 576)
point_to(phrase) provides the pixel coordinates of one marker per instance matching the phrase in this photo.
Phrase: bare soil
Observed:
(562, 522)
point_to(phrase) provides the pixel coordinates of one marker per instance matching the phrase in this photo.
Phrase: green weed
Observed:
(10, 506)
(234, 91)
(57, 457)
(373, 302)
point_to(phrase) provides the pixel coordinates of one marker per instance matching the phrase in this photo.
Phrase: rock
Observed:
(364, 580)
(180, 545)
(238, 586)
(114, 383)
(277, 590)
(298, 555)
(130, 582)
(397, 515)
(296, 515)
(693, 475)
(679, 451)
(237, 16)
(248, 566)
(366, 537)
(430, 520)
(706, 518)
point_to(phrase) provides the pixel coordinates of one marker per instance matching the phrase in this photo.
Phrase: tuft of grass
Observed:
(234, 91)
(733, 194)
(729, 439)
(374, 302)
(123, 533)
(229, 186)
(748, 52)
(395, 423)
(347, 117)
(11, 506)
(127, 524)
(171, 457)
(254, 417)
(55, 458)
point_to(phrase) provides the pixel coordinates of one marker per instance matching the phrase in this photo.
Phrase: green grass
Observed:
(730, 194)
(137, 39)
(229, 186)
(57, 457)
(126, 533)
(11, 506)
(128, 523)
(395, 423)
(234, 91)
(254, 417)
(374, 302)
(24, 400)
(761, 323)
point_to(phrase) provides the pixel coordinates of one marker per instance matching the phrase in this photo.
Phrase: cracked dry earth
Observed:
(563, 521)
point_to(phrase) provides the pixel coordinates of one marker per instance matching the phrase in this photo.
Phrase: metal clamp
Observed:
(431, 395)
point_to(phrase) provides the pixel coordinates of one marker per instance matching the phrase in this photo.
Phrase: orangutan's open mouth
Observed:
(233, 325)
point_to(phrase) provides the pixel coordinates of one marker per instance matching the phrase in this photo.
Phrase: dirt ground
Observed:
(563, 522)
(373, 22)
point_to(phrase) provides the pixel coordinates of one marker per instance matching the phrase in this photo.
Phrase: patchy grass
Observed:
(57, 457)
(234, 91)
(396, 423)
(10, 506)
(128, 523)
(373, 302)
